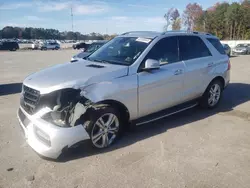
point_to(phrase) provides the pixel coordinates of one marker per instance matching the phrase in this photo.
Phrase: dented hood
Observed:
(73, 75)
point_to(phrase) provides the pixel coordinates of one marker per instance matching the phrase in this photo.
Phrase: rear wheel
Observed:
(212, 95)
(104, 126)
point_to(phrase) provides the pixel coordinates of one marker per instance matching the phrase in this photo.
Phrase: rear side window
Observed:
(216, 43)
(192, 47)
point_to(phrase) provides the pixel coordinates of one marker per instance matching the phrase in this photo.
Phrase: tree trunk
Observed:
(238, 34)
(231, 29)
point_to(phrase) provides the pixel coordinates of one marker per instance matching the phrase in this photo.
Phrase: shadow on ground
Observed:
(7, 89)
(234, 95)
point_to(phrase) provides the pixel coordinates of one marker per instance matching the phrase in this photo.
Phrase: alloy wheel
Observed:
(105, 130)
(214, 95)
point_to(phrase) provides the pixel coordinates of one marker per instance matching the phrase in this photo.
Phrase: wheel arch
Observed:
(221, 79)
(123, 110)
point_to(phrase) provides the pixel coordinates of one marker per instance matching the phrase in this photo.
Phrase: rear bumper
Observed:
(47, 139)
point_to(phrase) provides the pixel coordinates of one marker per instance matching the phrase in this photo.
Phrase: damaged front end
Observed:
(67, 106)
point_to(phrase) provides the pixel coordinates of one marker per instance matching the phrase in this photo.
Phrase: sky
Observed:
(100, 16)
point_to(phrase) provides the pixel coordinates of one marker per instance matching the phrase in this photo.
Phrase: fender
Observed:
(123, 90)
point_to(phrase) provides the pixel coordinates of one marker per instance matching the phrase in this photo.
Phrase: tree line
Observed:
(226, 21)
(10, 32)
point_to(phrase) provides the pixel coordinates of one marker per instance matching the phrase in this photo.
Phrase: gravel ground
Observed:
(194, 149)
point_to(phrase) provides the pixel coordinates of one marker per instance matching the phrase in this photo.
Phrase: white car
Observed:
(50, 45)
(136, 78)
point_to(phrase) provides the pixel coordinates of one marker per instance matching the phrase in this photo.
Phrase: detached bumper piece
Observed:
(47, 139)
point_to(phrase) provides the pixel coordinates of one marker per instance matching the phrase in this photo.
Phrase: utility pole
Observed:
(72, 19)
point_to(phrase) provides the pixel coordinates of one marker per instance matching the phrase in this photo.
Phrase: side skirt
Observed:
(166, 112)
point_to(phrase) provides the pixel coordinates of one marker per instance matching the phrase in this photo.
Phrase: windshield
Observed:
(93, 47)
(120, 50)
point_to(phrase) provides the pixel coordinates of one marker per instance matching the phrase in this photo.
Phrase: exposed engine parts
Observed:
(68, 108)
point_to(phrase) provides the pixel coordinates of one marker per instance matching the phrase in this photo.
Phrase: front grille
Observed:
(30, 98)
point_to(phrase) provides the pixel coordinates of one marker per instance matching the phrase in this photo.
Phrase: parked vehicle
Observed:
(9, 45)
(50, 45)
(227, 49)
(90, 49)
(36, 45)
(241, 49)
(80, 45)
(136, 78)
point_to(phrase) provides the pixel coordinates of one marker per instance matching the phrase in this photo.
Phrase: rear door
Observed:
(198, 60)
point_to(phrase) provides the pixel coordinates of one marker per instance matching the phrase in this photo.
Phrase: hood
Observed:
(73, 75)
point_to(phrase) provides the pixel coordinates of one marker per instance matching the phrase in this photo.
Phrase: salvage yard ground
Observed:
(194, 149)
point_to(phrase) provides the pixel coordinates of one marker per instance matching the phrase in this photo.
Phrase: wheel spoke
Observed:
(113, 130)
(215, 88)
(111, 120)
(105, 140)
(100, 123)
(210, 100)
(217, 95)
(97, 137)
(111, 139)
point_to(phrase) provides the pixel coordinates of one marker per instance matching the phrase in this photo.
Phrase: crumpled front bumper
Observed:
(47, 139)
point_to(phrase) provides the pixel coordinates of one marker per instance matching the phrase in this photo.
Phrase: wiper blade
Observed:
(98, 60)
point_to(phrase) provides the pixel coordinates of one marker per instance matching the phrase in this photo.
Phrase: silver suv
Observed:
(135, 78)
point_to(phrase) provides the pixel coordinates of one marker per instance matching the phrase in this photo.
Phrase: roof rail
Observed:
(186, 31)
(131, 32)
(176, 31)
(203, 33)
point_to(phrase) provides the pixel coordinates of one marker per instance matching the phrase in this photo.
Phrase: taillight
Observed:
(229, 65)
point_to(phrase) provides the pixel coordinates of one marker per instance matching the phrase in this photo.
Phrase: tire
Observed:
(208, 101)
(101, 135)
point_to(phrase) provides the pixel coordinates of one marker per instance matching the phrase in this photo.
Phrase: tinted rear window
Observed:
(216, 43)
(192, 47)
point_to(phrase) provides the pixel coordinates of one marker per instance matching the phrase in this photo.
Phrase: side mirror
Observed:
(151, 64)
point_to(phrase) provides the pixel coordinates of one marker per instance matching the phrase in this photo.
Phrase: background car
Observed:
(241, 49)
(50, 45)
(91, 48)
(227, 49)
(9, 45)
(80, 45)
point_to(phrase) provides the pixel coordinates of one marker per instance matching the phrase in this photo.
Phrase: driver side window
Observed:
(165, 51)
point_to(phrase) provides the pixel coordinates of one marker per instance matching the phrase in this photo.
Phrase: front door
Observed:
(161, 88)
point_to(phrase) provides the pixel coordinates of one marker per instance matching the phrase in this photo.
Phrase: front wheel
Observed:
(104, 127)
(212, 95)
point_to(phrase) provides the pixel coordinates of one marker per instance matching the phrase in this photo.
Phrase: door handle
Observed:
(210, 64)
(177, 72)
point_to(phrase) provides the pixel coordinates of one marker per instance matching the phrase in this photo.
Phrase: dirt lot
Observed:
(196, 148)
